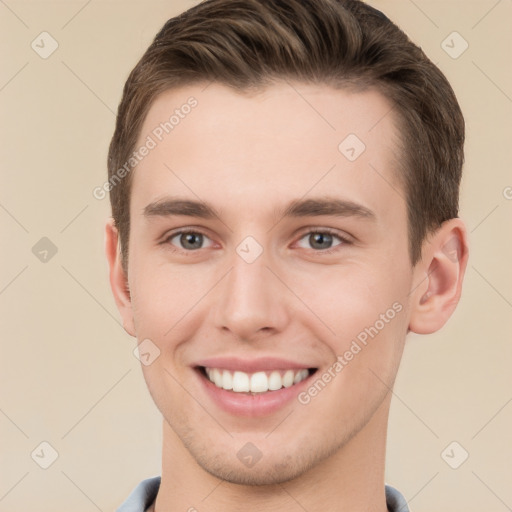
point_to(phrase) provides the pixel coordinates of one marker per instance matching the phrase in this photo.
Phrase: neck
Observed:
(350, 480)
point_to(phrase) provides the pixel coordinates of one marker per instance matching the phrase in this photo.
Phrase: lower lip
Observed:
(259, 404)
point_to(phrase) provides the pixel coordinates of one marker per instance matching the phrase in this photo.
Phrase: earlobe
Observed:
(438, 277)
(118, 278)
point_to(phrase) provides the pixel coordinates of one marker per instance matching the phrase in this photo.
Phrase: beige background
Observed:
(68, 374)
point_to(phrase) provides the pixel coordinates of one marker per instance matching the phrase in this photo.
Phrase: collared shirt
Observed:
(143, 496)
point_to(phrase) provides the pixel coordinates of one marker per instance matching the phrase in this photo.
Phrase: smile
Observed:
(252, 387)
(258, 382)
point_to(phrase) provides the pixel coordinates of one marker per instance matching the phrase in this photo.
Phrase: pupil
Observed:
(320, 240)
(191, 240)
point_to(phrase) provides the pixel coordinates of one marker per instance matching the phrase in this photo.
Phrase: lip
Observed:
(247, 404)
(251, 365)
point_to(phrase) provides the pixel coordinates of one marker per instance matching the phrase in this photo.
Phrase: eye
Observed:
(189, 240)
(320, 240)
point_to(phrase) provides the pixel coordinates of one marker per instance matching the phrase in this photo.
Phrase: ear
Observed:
(118, 278)
(438, 277)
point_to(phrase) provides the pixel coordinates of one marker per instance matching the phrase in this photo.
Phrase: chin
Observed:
(262, 474)
(278, 464)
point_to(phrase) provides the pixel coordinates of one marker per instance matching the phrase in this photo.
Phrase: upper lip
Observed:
(251, 365)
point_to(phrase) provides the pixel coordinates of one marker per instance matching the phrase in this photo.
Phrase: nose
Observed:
(252, 302)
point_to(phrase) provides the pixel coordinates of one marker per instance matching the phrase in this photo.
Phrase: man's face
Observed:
(303, 262)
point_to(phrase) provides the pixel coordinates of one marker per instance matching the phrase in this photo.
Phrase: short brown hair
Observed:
(249, 44)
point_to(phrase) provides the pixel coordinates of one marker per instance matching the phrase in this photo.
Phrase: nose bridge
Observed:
(250, 300)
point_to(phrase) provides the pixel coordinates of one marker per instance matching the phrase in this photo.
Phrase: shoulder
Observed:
(395, 501)
(142, 496)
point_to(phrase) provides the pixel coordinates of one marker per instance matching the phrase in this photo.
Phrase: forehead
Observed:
(264, 147)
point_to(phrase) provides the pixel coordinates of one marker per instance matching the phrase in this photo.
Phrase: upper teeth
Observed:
(258, 382)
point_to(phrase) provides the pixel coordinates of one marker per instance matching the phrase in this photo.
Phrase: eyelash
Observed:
(323, 231)
(326, 231)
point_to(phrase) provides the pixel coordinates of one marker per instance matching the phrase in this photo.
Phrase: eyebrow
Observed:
(296, 208)
(168, 207)
(334, 207)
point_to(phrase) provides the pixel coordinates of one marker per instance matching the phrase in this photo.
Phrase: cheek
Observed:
(161, 297)
(368, 314)
(169, 301)
(365, 310)
(166, 302)
(349, 298)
